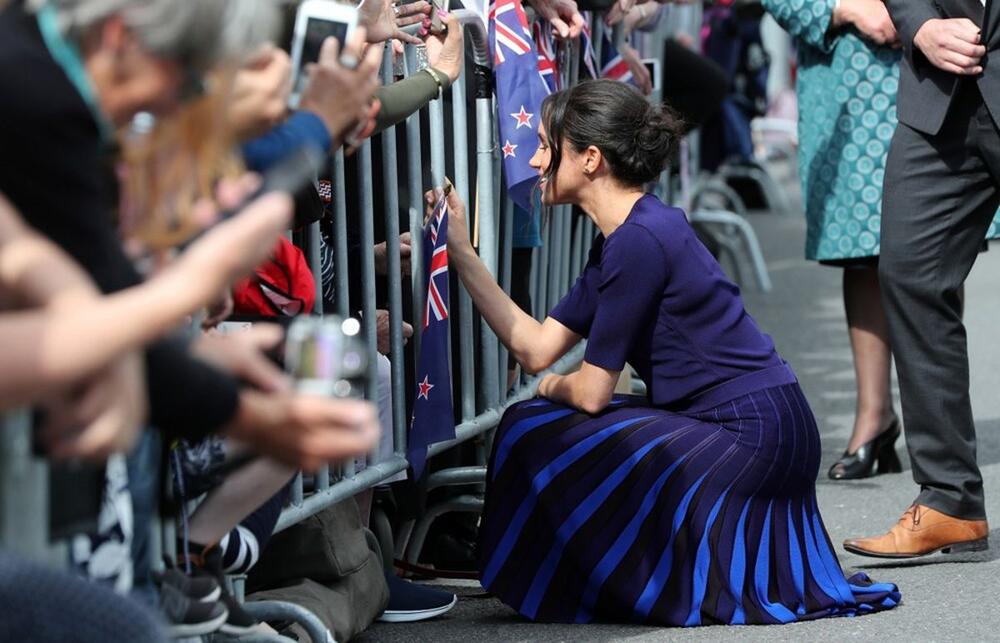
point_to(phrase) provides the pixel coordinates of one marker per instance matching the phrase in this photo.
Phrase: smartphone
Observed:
(653, 67)
(315, 21)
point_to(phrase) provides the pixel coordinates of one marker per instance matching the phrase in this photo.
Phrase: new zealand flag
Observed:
(548, 67)
(613, 66)
(433, 418)
(520, 92)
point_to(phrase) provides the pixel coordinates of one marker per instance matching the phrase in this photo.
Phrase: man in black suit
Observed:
(940, 193)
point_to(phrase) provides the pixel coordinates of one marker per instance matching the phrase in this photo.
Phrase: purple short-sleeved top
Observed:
(653, 296)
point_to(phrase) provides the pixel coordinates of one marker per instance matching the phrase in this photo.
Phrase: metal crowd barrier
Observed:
(481, 365)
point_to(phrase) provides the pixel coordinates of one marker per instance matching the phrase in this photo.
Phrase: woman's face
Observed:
(565, 184)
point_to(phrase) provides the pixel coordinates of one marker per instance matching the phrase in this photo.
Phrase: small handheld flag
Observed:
(433, 418)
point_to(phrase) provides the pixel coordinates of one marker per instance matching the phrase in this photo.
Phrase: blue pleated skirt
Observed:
(653, 516)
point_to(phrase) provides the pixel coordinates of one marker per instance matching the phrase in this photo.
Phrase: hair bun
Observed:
(635, 137)
(652, 142)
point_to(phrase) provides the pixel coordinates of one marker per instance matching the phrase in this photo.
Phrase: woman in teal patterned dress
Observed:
(847, 80)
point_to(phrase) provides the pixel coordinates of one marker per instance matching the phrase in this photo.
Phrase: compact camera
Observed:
(327, 356)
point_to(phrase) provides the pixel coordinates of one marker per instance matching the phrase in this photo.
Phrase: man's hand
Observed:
(305, 431)
(340, 96)
(951, 45)
(104, 417)
(870, 17)
(260, 93)
(382, 331)
(563, 15)
(382, 256)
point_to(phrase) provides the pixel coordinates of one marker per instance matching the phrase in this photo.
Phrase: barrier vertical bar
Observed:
(297, 490)
(460, 154)
(487, 228)
(341, 281)
(536, 255)
(393, 269)
(340, 270)
(316, 266)
(541, 267)
(573, 74)
(367, 239)
(575, 265)
(24, 492)
(567, 239)
(555, 252)
(415, 184)
(506, 268)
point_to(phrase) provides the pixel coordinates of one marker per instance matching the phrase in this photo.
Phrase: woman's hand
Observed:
(458, 228)
(545, 386)
(870, 17)
(385, 20)
(446, 53)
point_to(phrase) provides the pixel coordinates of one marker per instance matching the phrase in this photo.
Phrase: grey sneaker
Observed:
(188, 617)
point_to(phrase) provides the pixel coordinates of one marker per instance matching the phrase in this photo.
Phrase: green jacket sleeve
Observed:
(407, 96)
(808, 22)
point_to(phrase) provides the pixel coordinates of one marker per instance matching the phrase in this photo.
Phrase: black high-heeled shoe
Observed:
(880, 450)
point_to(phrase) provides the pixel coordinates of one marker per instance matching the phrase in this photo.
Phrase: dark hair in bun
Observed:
(635, 137)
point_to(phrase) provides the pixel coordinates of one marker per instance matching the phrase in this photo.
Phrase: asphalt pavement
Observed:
(945, 598)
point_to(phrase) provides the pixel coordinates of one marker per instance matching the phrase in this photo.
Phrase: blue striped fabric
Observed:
(644, 515)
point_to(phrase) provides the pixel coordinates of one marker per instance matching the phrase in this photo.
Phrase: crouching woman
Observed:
(695, 505)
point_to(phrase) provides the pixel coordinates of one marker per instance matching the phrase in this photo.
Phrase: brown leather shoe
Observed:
(923, 531)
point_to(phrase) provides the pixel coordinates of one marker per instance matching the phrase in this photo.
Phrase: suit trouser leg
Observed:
(939, 196)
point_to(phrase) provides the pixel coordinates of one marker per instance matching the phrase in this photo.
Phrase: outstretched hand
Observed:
(446, 52)
(385, 19)
(305, 431)
(563, 15)
(340, 95)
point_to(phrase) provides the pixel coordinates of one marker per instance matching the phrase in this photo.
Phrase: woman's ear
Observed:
(592, 159)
